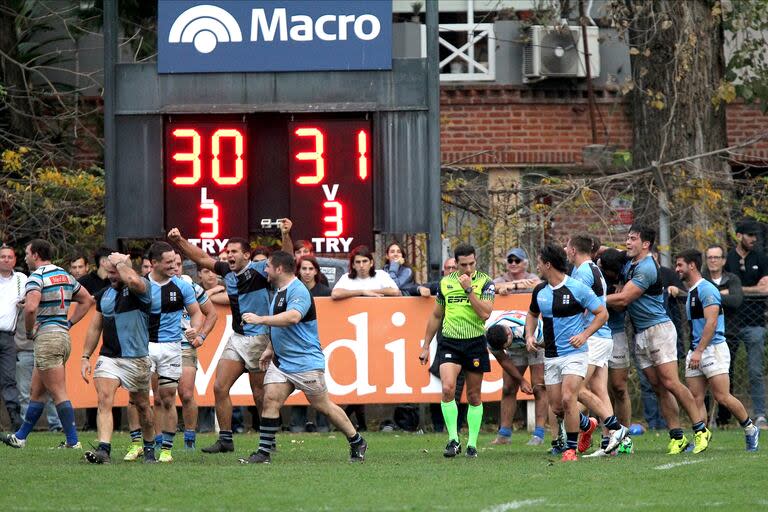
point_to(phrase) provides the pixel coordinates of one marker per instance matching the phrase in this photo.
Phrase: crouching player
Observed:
(561, 302)
(506, 341)
(709, 358)
(294, 360)
(122, 316)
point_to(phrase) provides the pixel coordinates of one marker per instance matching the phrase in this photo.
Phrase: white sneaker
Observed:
(597, 453)
(12, 441)
(616, 437)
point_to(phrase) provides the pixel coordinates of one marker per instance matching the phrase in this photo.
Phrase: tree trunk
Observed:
(12, 77)
(677, 64)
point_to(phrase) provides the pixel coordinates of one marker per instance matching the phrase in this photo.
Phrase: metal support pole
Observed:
(434, 251)
(110, 157)
(664, 219)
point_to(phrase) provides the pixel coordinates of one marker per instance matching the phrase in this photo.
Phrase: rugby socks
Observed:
(355, 439)
(538, 431)
(225, 436)
(604, 442)
(474, 422)
(505, 432)
(583, 422)
(572, 440)
(158, 441)
(34, 411)
(67, 418)
(676, 433)
(267, 432)
(747, 425)
(189, 436)
(450, 416)
(699, 427)
(612, 423)
(168, 440)
(136, 436)
(105, 447)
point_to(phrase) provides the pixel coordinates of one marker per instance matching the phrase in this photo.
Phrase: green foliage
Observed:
(746, 25)
(64, 206)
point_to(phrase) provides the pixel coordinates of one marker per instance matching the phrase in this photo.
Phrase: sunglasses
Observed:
(512, 259)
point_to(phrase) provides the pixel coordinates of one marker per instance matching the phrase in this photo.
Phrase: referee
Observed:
(464, 302)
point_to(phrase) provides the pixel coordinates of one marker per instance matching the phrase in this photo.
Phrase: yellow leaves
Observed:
(717, 10)
(12, 160)
(656, 99)
(726, 92)
(634, 51)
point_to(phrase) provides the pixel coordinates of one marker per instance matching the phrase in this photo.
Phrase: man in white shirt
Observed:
(11, 293)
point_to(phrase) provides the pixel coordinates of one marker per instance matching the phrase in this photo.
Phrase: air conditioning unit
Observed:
(559, 52)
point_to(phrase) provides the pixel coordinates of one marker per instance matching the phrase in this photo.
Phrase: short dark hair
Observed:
(690, 256)
(78, 257)
(647, 233)
(245, 245)
(595, 243)
(283, 260)
(157, 249)
(555, 256)
(364, 251)
(261, 249)
(613, 260)
(496, 336)
(101, 252)
(717, 246)
(42, 248)
(582, 242)
(298, 244)
(463, 250)
(313, 261)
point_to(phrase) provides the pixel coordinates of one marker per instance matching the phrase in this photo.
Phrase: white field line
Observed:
(512, 505)
(677, 464)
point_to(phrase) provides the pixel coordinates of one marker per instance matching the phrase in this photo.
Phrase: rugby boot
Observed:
(569, 455)
(677, 446)
(452, 449)
(617, 436)
(12, 441)
(752, 439)
(257, 458)
(134, 452)
(471, 452)
(165, 455)
(585, 437)
(98, 457)
(357, 451)
(219, 447)
(701, 440)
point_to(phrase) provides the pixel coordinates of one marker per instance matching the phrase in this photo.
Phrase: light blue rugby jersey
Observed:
(561, 309)
(297, 347)
(168, 303)
(702, 295)
(248, 292)
(201, 298)
(590, 274)
(125, 321)
(56, 287)
(648, 309)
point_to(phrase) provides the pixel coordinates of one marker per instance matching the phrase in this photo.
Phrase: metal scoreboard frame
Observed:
(196, 145)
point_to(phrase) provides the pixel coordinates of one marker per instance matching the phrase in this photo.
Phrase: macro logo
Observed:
(220, 36)
(205, 26)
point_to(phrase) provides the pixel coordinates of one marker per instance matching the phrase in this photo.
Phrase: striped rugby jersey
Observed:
(56, 287)
(460, 320)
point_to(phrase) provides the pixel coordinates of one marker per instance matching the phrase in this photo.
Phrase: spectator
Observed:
(78, 266)
(308, 271)
(363, 280)
(11, 296)
(398, 269)
(213, 286)
(260, 253)
(517, 276)
(732, 297)
(430, 288)
(748, 324)
(97, 280)
(303, 248)
(146, 266)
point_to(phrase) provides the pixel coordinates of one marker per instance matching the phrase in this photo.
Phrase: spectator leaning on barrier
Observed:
(363, 280)
(398, 269)
(517, 276)
(431, 288)
(748, 324)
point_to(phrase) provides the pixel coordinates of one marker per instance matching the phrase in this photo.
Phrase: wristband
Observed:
(69, 324)
(201, 336)
(468, 290)
(86, 356)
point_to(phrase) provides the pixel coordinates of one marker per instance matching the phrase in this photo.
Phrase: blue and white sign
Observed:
(273, 35)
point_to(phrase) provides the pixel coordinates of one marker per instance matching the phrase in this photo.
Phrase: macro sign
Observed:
(218, 36)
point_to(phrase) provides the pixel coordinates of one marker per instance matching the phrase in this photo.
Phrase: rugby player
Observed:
(48, 294)
(122, 317)
(294, 360)
(464, 302)
(247, 288)
(709, 358)
(656, 339)
(506, 341)
(561, 302)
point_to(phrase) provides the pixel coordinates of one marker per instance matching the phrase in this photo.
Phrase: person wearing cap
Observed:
(517, 276)
(751, 266)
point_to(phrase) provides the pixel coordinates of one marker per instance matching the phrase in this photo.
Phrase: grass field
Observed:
(402, 472)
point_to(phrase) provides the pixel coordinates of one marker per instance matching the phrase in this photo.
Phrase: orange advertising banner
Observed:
(371, 347)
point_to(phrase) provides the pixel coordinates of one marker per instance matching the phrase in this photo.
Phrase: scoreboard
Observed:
(230, 176)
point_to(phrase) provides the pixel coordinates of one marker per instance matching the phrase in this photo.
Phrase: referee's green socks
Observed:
(474, 422)
(451, 417)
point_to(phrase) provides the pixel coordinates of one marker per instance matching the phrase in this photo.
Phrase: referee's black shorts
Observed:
(471, 354)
